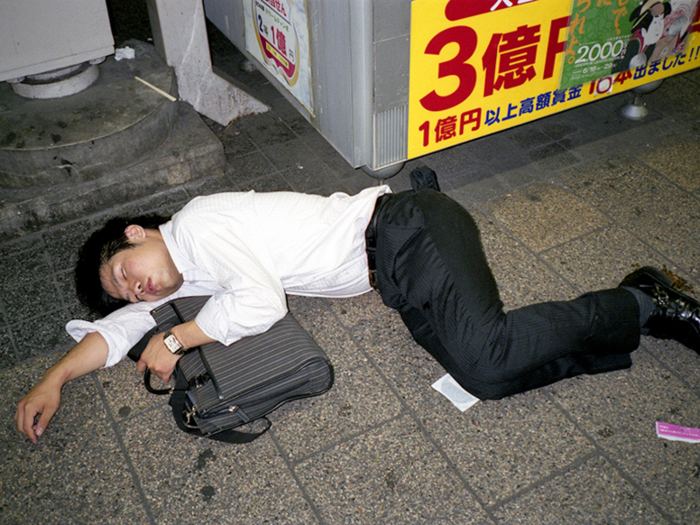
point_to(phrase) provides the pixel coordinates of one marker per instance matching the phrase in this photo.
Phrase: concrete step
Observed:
(115, 122)
(112, 143)
(191, 151)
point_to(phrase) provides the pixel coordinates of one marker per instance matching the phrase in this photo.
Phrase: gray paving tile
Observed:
(264, 130)
(676, 160)
(545, 215)
(522, 278)
(269, 183)
(77, 473)
(612, 251)
(325, 150)
(311, 176)
(356, 182)
(480, 191)
(246, 168)
(390, 345)
(125, 392)
(33, 338)
(235, 142)
(464, 164)
(8, 352)
(679, 360)
(291, 117)
(551, 157)
(64, 242)
(187, 480)
(317, 318)
(65, 281)
(352, 310)
(619, 411)
(27, 287)
(657, 211)
(498, 447)
(28, 296)
(524, 176)
(358, 401)
(389, 475)
(293, 154)
(10, 249)
(591, 492)
(672, 98)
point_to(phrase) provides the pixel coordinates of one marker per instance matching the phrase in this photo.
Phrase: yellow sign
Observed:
(482, 66)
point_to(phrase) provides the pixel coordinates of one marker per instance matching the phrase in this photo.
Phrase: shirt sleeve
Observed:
(251, 301)
(231, 315)
(121, 329)
(125, 327)
(252, 298)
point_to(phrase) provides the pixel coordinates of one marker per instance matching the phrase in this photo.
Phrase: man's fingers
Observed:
(161, 363)
(25, 420)
(43, 422)
(34, 414)
(25, 423)
(19, 417)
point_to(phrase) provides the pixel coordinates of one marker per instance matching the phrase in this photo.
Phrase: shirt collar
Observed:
(182, 263)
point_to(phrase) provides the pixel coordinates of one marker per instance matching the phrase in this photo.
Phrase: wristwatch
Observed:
(172, 344)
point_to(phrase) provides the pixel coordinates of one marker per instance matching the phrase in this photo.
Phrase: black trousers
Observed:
(432, 269)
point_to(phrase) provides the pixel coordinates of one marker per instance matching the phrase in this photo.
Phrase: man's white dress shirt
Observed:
(248, 250)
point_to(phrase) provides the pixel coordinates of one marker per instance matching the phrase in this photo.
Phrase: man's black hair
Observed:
(100, 247)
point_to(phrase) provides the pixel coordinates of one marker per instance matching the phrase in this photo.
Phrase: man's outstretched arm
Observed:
(45, 398)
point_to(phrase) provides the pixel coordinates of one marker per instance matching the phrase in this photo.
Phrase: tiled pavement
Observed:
(566, 204)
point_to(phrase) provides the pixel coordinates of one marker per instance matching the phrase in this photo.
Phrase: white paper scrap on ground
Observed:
(449, 388)
(125, 52)
(676, 433)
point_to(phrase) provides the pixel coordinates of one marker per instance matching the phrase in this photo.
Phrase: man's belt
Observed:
(371, 239)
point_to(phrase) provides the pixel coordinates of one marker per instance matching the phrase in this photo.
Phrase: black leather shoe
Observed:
(676, 316)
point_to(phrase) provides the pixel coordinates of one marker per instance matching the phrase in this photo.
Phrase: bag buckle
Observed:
(189, 417)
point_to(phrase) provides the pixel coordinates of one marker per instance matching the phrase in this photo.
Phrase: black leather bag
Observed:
(219, 388)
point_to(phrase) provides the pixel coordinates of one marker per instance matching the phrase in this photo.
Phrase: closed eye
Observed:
(121, 272)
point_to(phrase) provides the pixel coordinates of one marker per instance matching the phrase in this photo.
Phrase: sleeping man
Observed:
(419, 249)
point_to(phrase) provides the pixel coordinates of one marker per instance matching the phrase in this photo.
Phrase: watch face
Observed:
(172, 343)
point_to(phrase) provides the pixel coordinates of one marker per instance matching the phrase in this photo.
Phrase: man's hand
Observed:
(162, 361)
(44, 400)
(158, 359)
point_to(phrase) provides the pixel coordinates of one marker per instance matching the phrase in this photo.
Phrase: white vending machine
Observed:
(343, 64)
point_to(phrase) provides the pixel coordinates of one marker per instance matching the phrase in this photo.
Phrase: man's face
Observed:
(145, 272)
(657, 9)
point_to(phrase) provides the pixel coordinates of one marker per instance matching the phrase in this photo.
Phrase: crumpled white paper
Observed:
(126, 52)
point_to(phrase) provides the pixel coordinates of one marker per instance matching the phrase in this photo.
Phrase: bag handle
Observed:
(135, 354)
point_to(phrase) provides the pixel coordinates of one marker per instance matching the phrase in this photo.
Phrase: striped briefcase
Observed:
(219, 388)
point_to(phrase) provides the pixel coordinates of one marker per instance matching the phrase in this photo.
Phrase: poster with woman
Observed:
(612, 36)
